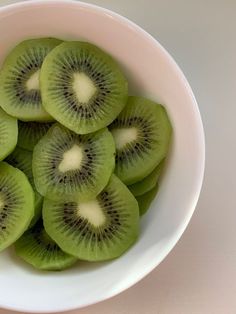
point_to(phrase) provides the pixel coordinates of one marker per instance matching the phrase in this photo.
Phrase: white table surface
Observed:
(199, 275)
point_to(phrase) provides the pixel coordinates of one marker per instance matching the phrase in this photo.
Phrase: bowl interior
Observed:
(152, 73)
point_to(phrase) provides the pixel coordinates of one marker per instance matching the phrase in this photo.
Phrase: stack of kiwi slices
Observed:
(80, 160)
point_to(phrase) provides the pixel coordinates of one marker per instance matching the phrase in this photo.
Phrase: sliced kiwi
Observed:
(145, 200)
(8, 134)
(148, 183)
(100, 229)
(30, 133)
(16, 204)
(142, 134)
(70, 166)
(38, 249)
(20, 94)
(82, 87)
(22, 159)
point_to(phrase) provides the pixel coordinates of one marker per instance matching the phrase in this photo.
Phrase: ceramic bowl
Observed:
(151, 72)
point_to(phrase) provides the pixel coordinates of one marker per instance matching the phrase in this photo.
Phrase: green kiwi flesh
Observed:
(142, 135)
(22, 159)
(8, 134)
(16, 204)
(148, 183)
(82, 87)
(145, 200)
(30, 133)
(70, 166)
(20, 94)
(37, 249)
(97, 230)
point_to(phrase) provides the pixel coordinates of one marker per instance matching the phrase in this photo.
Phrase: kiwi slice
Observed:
(38, 249)
(82, 87)
(22, 159)
(145, 200)
(70, 166)
(148, 183)
(16, 204)
(20, 94)
(142, 134)
(100, 229)
(30, 133)
(8, 134)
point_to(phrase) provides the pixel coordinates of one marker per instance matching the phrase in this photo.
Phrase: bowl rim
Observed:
(8, 8)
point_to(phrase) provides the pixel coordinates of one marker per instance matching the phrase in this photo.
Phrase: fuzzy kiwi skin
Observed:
(25, 201)
(68, 235)
(145, 200)
(56, 106)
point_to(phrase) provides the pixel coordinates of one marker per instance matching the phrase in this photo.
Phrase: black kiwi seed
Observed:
(22, 159)
(87, 235)
(147, 141)
(39, 250)
(87, 178)
(30, 133)
(16, 204)
(108, 92)
(20, 93)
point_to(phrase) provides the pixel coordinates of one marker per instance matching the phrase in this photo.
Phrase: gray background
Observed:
(199, 275)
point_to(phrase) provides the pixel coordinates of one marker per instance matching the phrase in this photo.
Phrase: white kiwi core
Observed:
(72, 159)
(83, 87)
(2, 203)
(93, 212)
(33, 81)
(124, 136)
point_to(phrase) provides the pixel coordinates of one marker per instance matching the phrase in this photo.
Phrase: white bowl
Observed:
(153, 73)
